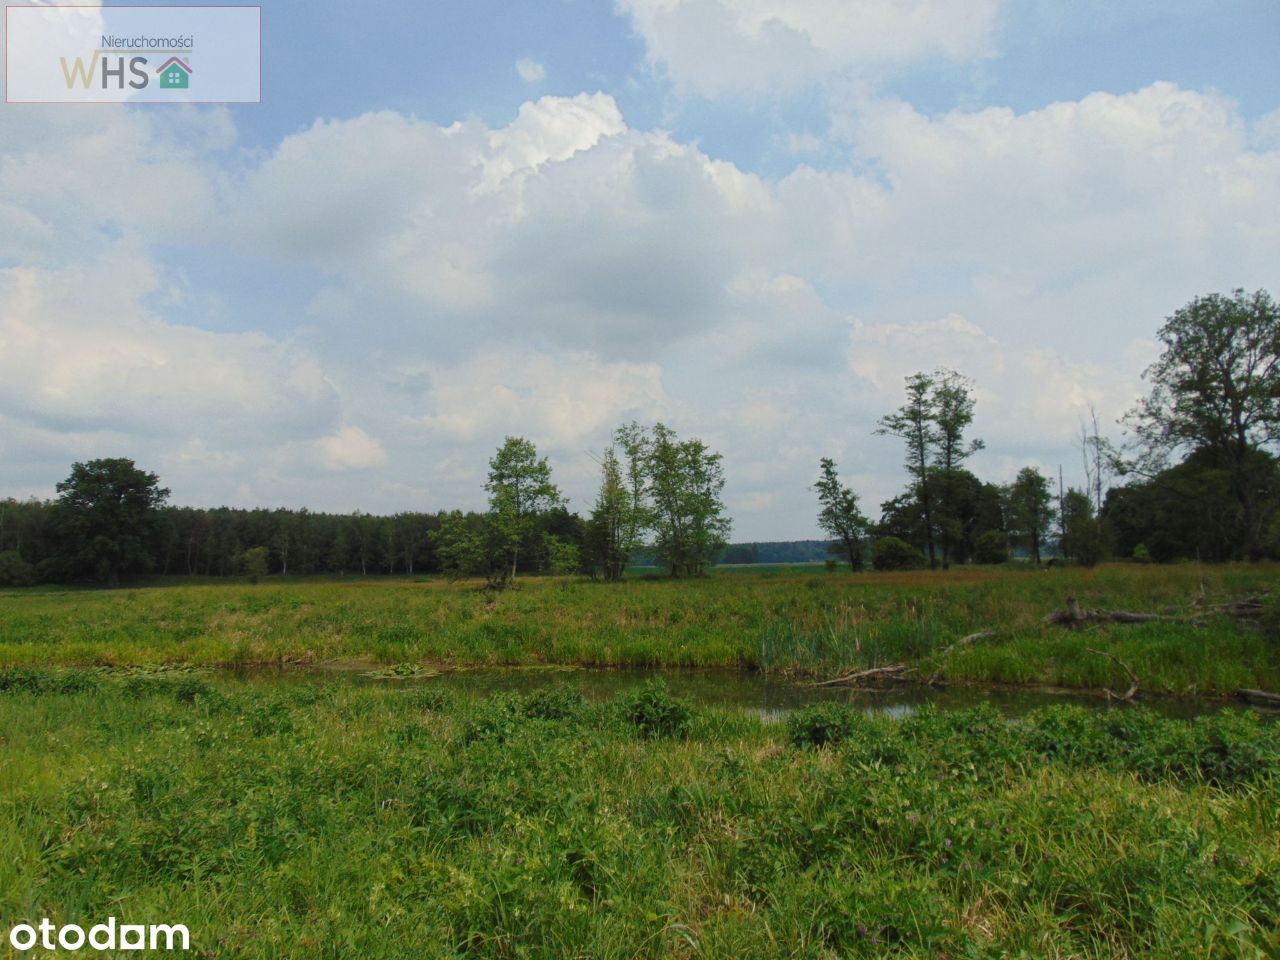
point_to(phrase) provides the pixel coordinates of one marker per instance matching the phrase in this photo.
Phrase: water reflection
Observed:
(772, 698)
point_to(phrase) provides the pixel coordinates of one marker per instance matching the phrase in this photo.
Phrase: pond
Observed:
(772, 697)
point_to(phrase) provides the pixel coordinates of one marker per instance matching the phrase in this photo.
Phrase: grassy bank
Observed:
(340, 821)
(804, 622)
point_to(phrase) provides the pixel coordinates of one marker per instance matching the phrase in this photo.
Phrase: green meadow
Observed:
(397, 820)
(802, 621)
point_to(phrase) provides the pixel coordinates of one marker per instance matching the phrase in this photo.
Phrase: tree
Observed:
(254, 563)
(608, 541)
(1081, 539)
(1216, 387)
(1030, 512)
(915, 423)
(470, 545)
(108, 515)
(520, 489)
(685, 480)
(840, 516)
(952, 415)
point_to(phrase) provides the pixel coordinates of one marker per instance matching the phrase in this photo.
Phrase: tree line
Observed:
(1196, 478)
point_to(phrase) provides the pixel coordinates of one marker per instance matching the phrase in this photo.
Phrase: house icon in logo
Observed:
(174, 74)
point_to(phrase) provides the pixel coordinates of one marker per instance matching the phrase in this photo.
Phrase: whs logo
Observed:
(120, 72)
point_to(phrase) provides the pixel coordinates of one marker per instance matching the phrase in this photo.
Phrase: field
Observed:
(788, 621)
(292, 814)
(392, 820)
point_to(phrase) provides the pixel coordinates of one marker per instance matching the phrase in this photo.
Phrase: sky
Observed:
(451, 222)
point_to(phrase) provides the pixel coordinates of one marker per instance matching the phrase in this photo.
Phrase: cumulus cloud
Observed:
(81, 351)
(742, 48)
(564, 272)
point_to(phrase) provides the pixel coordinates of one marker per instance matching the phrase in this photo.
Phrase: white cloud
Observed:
(351, 449)
(531, 71)
(562, 273)
(721, 48)
(81, 351)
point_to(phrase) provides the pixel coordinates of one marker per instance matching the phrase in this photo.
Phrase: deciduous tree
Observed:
(840, 516)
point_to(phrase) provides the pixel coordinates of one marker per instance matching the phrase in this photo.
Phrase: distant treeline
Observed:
(37, 545)
(777, 551)
(212, 542)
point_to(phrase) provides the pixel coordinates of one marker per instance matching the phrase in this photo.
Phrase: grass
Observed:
(803, 621)
(326, 820)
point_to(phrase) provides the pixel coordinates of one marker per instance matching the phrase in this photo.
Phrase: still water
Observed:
(771, 697)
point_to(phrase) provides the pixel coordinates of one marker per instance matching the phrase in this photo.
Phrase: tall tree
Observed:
(685, 482)
(953, 404)
(1216, 387)
(607, 550)
(915, 423)
(840, 516)
(520, 489)
(1030, 512)
(1081, 541)
(108, 513)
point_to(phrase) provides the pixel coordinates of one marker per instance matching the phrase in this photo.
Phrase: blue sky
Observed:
(449, 222)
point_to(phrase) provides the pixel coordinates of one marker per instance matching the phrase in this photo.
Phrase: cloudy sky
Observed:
(448, 222)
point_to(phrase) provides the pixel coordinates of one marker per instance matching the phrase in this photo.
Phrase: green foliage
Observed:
(685, 482)
(561, 702)
(992, 547)
(1030, 510)
(350, 816)
(469, 545)
(891, 553)
(840, 515)
(14, 571)
(1081, 534)
(254, 563)
(825, 724)
(654, 712)
(520, 490)
(622, 513)
(1216, 388)
(108, 518)
(915, 422)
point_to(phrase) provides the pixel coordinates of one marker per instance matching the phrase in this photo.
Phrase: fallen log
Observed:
(1246, 608)
(1075, 615)
(894, 671)
(1260, 697)
(1129, 694)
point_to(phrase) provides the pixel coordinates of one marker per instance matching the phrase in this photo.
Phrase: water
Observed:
(772, 698)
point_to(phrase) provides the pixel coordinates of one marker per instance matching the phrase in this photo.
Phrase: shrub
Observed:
(654, 712)
(991, 547)
(823, 723)
(254, 562)
(14, 571)
(556, 703)
(891, 553)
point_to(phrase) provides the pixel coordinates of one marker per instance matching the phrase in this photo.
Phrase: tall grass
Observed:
(808, 622)
(340, 821)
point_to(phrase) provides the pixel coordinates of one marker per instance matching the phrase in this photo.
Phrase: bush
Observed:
(824, 723)
(254, 562)
(991, 547)
(14, 571)
(654, 712)
(891, 553)
(557, 703)
(27, 680)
